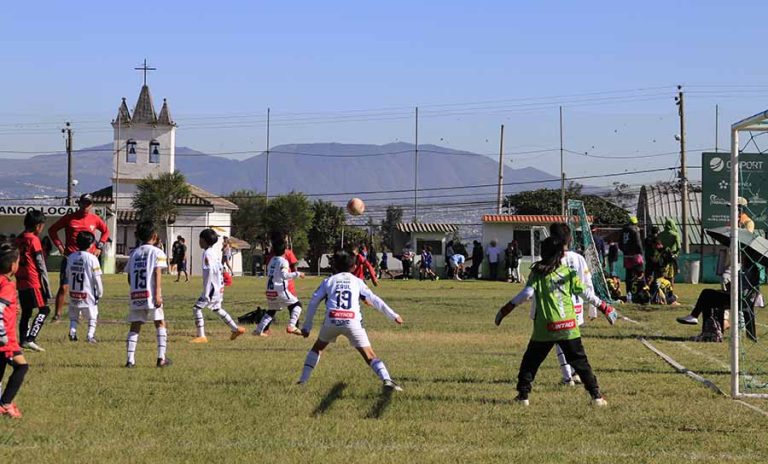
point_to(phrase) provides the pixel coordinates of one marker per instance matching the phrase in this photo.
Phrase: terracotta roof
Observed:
(527, 218)
(197, 197)
(409, 227)
(165, 116)
(127, 217)
(144, 112)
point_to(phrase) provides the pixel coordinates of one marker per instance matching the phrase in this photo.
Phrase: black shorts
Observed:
(63, 272)
(31, 298)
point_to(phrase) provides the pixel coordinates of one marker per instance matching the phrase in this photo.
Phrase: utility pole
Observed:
(683, 176)
(500, 195)
(562, 167)
(266, 181)
(416, 169)
(67, 131)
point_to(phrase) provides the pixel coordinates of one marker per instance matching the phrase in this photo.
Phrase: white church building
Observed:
(145, 144)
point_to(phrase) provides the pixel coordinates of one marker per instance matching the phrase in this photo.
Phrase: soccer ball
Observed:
(356, 207)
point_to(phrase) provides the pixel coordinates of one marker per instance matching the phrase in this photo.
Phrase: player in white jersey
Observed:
(342, 293)
(145, 267)
(575, 261)
(278, 294)
(85, 287)
(213, 289)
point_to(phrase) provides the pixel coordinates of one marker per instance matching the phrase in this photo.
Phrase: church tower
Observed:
(144, 144)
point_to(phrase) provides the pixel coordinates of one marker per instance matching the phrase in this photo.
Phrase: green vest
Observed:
(555, 317)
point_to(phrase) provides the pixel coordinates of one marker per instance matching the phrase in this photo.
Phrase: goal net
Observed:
(584, 243)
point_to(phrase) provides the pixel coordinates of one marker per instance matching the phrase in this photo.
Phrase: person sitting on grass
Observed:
(553, 284)
(342, 293)
(10, 351)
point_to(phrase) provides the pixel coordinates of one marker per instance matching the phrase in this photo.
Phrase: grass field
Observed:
(236, 401)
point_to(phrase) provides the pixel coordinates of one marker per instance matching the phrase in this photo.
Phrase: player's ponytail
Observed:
(552, 251)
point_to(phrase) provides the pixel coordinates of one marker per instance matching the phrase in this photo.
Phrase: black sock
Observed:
(14, 383)
(37, 324)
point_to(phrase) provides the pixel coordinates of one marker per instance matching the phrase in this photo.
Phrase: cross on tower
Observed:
(145, 68)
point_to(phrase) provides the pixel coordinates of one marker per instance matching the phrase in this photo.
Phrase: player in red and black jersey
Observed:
(32, 280)
(10, 351)
(73, 224)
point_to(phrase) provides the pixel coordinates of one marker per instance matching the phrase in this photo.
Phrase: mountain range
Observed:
(379, 172)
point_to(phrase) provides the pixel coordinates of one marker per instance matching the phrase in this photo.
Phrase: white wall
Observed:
(143, 134)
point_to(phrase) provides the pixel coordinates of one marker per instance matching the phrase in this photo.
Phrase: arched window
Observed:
(130, 151)
(154, 151)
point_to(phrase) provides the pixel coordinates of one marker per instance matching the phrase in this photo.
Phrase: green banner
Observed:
(716, 188)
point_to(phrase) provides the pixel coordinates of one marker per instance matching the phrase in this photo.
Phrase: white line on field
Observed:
(752, 407)
(719, 362)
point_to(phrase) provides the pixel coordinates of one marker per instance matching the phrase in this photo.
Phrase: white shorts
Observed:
(283, 299)
(357, 336)
(144, 315)
(213, 305)
(88, 312)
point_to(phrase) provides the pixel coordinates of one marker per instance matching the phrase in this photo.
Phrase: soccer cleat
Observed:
(164, 362)
(260, 334)
(11, 410)
(392, 386)
(599, 402)
(300, 383)
(576, 379)
(130, 365)
(688, 320)
(202, 339)
(72, 337)
(568, 382)
(521, 400)
(91, 340)
(237, 333)
(29, 345)
(293, 330)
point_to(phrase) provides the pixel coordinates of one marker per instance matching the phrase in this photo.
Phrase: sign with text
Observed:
(716, 188)
(48, 210)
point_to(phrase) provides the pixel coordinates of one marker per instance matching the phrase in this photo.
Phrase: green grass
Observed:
(237, 402)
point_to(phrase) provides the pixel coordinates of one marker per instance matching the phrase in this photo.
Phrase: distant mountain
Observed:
(321, 169)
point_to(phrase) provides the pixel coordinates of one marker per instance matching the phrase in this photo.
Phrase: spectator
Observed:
(180, 258)
(599, 245)
(493, 252)
(745, 222)
(632, 247)
(652, 248)
(477, 259)
(456, 263)
(512, 257)
(670, 249)
(407, 260)
(384, 265)
(613, 257)
(226, 256)
(174, 253)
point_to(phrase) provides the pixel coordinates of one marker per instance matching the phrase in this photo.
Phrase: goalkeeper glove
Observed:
(610, 313)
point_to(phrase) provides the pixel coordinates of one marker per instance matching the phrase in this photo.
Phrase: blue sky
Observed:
(353, 71)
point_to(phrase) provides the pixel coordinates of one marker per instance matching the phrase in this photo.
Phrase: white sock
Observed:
(199, 321)
(91, 328)
(265, 320)
(73, 326)
(380, 369)
(565, 368)
(133, 339)
(162, 340)
(309, 365)
(227, 319)
(295, 313)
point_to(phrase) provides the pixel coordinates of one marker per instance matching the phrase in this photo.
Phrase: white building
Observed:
(145, 144)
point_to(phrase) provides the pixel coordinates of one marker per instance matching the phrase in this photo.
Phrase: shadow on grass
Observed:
(381, 404)
(465, 380)
(333, 394)
(636, 336)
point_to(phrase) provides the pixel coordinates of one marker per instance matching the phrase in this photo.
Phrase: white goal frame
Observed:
(756, 123)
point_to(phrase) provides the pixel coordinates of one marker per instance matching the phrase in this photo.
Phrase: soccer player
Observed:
(145, 271)
(575, 261)
(213, 289)
(342, 293)
(362, 267)
(10, 351)
(73, 224)
(32, 280)
(85, 287)
(278, 293)
(552, 284)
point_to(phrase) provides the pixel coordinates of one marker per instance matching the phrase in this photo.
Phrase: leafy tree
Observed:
(292, 215)
(327, 223)
(249, 221)
(389, 225)
(547, 201)
(156, 198)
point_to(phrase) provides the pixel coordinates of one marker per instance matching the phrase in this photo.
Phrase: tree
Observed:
(156, 198)
(249, 221)
(327, 223)
(547, 201)
(389, 225)
(292, 215)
